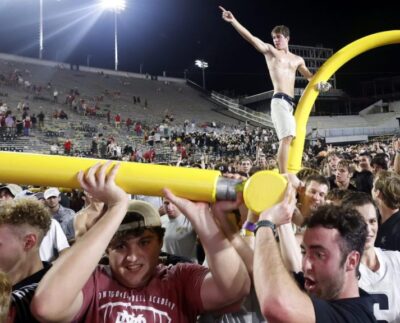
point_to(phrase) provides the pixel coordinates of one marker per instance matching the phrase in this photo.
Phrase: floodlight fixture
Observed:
(116, 5)
(203, 65)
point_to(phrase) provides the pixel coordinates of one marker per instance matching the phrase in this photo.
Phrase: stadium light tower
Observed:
(116, 6)
(40, 29)
(203, 65)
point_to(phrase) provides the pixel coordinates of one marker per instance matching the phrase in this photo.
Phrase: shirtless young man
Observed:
(282, 66)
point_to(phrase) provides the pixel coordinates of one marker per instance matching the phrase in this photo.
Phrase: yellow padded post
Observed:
(324, 73)
(134, 178)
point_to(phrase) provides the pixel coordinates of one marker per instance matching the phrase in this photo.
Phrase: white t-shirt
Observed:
(53, 242)
(383, 285)
(180, 237)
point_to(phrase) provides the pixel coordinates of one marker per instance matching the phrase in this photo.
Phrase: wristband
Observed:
(249, 226)
(265, 223)
(246, 233)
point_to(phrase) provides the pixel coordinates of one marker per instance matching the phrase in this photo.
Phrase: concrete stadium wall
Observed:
(21, 59)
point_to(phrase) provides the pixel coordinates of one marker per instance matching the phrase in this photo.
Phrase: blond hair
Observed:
(388, 183)
(26, 212)
(5, 296)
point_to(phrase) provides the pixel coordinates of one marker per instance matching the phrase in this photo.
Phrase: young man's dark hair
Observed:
(317, 178)
(346, 163)
(380, 161)
(354, 199)
(367, 154)
(349, 223)
(305, 172)
(281, 29)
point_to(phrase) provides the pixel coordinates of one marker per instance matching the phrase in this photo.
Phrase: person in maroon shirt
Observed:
(135, 286)
(149, 155)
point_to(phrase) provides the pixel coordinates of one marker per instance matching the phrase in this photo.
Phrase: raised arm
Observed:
(226, 266)
(221, 212)
(322, 86)
(289, 247)
(72, 270)
(280, 298)
(256, 42)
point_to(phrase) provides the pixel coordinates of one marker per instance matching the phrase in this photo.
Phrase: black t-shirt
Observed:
(352, 310)
(22, 294)
(346, 310)
(388, 236)
(364, 181)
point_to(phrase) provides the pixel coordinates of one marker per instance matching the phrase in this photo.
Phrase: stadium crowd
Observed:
(328, 252)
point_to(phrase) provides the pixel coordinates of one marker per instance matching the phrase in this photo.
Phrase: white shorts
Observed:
(282, 118)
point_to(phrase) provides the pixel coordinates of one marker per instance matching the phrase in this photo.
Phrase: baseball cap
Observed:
(13, 188)
(52, 191)
(140, 214)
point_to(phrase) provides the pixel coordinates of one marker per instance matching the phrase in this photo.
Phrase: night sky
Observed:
(171, 34)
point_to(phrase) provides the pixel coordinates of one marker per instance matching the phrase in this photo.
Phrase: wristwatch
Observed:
(265, 223)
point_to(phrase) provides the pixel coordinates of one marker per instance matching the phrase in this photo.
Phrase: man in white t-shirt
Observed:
(379, 268)
(54, 243)
(180, 237)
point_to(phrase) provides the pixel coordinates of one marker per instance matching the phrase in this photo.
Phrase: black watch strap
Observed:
(264, 223)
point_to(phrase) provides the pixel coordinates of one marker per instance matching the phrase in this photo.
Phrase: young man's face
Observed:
(364, 162)
(271, 162)
(332, 162)
(263, 161)
(245, 166)
(11, 249)
(133, 259)
(376, 169)
(342, 174)
(368, 212)
(53, 201)
(375, 192)
(314, 195)
(170, 209)
(280, 41)
(324, 275)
